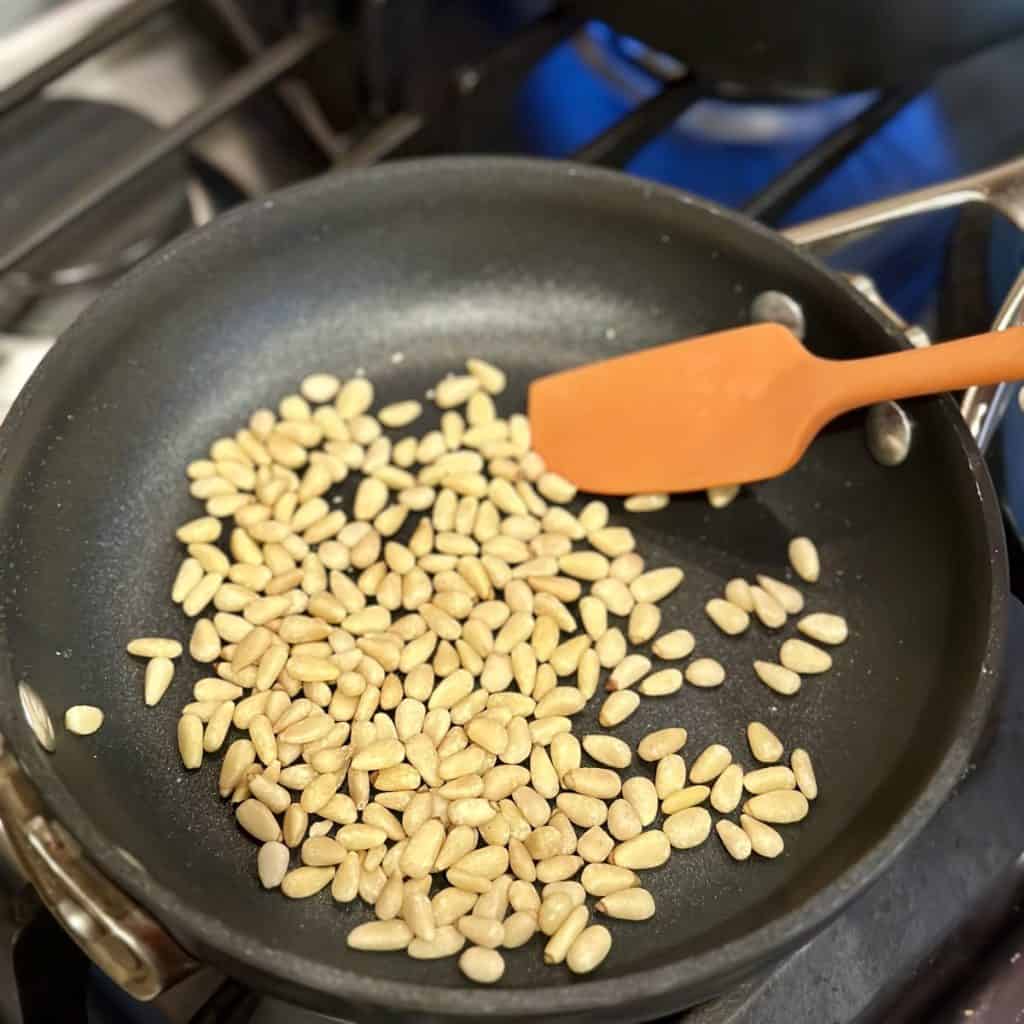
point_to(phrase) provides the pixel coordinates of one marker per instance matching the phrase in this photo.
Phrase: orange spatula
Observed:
(731, 407)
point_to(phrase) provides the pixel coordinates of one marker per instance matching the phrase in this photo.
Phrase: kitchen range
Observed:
(123, 123)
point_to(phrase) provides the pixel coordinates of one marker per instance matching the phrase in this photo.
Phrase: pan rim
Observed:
(341, 985)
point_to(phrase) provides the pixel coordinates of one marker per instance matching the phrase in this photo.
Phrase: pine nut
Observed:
(789, 597)
(594, 845)
(705, 672)
(688, 828)
(771, 613)
(780, 806)
(804, 658)
(642, 796)
(558, 945)
(776, 677)
(670, 775)
(272, 864)
(602, 879)
(825, 628)
(616, 596)
(519, 929)
(190, 741)
(764, 840)
(608, 750)
(447, 941)
(650, 849)
(598, 782)
(644, 621)
(400, 414)
(727, 790)
(159, 673)
(764, 744)
(729, 618)
(712, 761)
(584, 811)
(803, 772)
(738, 592)
(589, 950)
(258, 821)
(803, 556)
(646, 502)
(656, 584)
(681, 799)
(734, 839)
(629, 671)
(673, 646)
(155, 647)
(627, 905)
(84, 719)
(663, 683)
(656, 745)
(380, 936)
(484, 966)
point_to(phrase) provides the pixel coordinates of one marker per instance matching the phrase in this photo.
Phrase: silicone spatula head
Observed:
(731, 407)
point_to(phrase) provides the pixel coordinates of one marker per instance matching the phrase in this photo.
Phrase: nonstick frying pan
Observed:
(536, 266)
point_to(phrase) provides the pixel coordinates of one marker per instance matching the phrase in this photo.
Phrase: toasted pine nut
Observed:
(712, 761)
(681, 799)
(608, 750)
(721, 497)
(85, 719)
(159, 673)
(672, 646)
(656, 584)
(662, 684)
(272, 864)
(642, 796)
(594, 845)
(764, 744)
(780, 806)
(727, 790)
(380, 936)
(803, 556)
(737, 592)
(729, 618)
(705, 672)
(190, 741)
(589, 950)
(155, 647)
(734, 839)
(789, 597)
(803, 772)
(778, 678)
(650, 849)
(627, 905)
(484, 966)
(804, 658)
(656, 745)
(670, 775)
(767, 608)
(646, 502)
(688, 828)
(764, 840)
(827, 629)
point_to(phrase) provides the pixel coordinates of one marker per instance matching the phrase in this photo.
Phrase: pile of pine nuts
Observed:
(404, 674)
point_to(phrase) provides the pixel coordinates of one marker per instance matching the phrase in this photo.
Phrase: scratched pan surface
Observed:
(535, 266)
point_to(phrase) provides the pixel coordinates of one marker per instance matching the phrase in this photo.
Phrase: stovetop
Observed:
(936, 938)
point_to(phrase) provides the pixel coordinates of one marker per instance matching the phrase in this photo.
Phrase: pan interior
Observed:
(402, 278)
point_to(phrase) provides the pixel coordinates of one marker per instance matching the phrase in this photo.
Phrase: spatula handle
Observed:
(982, 359)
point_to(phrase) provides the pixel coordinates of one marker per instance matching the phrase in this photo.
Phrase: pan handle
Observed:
(1000, 187)
(110, 928)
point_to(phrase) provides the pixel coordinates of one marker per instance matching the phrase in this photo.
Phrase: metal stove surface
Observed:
(900, 948)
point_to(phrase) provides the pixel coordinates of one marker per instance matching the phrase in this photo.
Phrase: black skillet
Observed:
(536, 266)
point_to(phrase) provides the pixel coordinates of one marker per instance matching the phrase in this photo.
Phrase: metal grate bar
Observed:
(104, 34)
(616, 146)
(296, 95)
(269, 66)
(773, 201)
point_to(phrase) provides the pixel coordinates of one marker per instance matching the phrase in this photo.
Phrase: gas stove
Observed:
(124, 122)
